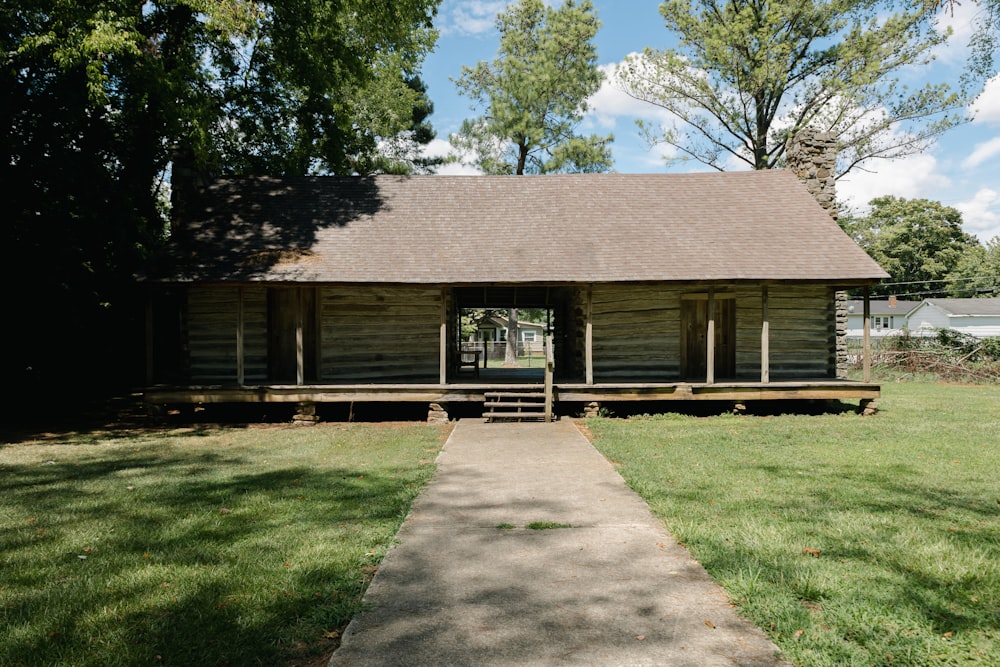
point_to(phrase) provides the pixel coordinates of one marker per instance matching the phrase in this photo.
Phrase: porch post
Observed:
(240, 323)
(443, 343)
(300, 357)
(588, 340)
(765, 337)
(150, 370)
(710, 339)
(318, 330)
(867, 349)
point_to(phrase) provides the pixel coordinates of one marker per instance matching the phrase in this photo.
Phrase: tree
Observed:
(749, 74)
(917, 241)
(98, 98)
(977, 272)
(985, 40)
(534, 94)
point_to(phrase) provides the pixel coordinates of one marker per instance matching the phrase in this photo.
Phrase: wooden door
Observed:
(291, 334)
(694, 334)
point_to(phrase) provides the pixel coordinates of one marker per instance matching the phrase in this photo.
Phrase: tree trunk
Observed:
(510, 355)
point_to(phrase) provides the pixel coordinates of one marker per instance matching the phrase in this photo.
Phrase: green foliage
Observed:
(98, 98)
(849, 540)
(749, 74)
(916, 241)
(534, 93)
(978, 272)
(207, 546)
(985, 40)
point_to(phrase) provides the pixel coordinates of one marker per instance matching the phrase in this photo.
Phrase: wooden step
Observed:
(536, 395)
(515, 404)
(496, 416)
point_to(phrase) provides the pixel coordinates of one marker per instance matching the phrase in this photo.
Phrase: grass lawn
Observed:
(197, 546)
(850, 540)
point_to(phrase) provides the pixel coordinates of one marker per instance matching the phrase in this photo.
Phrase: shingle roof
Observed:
(970, 307)
(516, 229)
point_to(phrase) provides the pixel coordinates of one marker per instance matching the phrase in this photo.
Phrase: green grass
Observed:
(546, 525)
(207, 546)
(850, 540)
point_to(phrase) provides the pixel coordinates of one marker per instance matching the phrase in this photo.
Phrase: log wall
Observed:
(383, 334)
(211, 334)
(637, 331)
(212, 317)
(803, 333)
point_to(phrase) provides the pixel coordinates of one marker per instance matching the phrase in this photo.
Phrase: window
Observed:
(528, 336)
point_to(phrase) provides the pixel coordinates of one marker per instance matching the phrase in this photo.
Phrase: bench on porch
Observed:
(468, 358)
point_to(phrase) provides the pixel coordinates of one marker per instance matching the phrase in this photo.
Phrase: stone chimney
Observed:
(812, 156)
(187, 181)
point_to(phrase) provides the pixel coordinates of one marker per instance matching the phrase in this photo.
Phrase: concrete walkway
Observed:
(613, 589)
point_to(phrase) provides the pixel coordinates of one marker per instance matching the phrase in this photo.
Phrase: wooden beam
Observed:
(300, 356)
(765, 336)
(866, 351)
(710, 340)
(443, 343)
(240, 327)
(588, 339)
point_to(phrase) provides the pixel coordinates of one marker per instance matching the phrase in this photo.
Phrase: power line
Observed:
(941, 280)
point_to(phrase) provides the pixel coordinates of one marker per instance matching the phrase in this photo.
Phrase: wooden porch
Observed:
(474, 392)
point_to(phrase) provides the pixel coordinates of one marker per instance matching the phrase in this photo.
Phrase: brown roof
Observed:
(516, 229)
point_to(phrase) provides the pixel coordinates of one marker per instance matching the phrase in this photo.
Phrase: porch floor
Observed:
(468, 388)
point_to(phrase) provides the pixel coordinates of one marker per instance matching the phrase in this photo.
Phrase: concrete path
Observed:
(613, 589)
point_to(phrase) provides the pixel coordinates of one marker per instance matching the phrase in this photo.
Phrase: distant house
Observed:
(889, 317)
(495, 329)
(708, 286)
(975, 317)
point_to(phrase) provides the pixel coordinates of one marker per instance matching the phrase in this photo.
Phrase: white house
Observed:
(889, 317)
(976, 317)
(495, 329)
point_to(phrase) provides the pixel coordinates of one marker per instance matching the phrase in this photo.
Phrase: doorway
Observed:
(291, 335)
(694, 336)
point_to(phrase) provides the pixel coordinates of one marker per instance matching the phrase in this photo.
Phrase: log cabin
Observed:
(658, 287)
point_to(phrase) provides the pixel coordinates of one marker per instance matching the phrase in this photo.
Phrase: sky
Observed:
(961, 170)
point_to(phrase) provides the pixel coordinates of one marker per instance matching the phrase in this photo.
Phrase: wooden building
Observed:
(717, 286)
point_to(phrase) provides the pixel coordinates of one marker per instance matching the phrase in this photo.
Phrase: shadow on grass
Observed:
(888, 550)
(160, 557)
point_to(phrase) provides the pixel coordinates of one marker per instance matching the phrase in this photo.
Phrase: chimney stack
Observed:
(812, 156)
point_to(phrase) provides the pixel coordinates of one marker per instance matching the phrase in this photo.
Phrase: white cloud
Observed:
(981, 214)
(983, 152)
(468, 17)
(611, 103)
(961, 18)
(439, 148)
(910, 177)
(987, 105)
(457, 169)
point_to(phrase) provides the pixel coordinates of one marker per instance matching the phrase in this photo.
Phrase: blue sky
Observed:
(961, 170)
